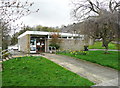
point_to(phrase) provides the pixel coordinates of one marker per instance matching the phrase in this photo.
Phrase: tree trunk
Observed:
(105, 44)
(106, 49)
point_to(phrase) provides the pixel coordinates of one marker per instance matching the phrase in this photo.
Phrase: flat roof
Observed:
(49, 33)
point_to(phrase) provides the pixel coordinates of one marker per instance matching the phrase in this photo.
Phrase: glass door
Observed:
(40, 45)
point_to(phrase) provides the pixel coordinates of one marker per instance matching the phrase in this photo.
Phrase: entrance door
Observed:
(40, 46)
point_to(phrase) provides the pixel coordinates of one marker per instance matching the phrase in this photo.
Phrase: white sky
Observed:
(52, 13)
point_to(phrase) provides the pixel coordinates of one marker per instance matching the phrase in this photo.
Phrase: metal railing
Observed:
(6, 53)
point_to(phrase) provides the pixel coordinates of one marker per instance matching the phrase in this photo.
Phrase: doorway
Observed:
(40, 45)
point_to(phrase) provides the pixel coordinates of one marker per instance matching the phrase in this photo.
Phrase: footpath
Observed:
(102, 76)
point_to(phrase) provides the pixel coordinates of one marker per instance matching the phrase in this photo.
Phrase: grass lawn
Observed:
(109, 60)
(98, 45)
(39, 71)
(0, 78)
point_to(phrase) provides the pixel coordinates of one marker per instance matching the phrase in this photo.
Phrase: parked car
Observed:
(14, 47)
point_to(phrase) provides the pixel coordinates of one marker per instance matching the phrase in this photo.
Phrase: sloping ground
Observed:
(39, 71)
(94, 72)
(98, 45)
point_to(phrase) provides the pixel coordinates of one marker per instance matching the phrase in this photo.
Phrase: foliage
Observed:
(48, 29)
(14, 40)
(39, 71)
(98, 57)
(27, 28)
(55, 41)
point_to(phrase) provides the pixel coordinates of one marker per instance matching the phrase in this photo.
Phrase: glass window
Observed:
(32, 41)
(32, 49)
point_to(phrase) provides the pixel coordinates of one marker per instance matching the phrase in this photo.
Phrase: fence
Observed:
(6, 54)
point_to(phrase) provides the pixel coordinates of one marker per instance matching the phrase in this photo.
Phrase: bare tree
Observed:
(12, 10)
(100, 19)
(84, 8)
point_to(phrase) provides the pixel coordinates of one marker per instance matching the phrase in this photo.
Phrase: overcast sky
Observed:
(52, 13)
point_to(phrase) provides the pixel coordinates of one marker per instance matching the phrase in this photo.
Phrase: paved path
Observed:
(102, 49)
(96, 73)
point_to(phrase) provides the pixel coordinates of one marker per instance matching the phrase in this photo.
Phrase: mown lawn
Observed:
(109, 60)
(98, 45)
(39, 71)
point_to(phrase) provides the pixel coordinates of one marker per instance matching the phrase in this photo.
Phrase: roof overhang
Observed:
(49, 33)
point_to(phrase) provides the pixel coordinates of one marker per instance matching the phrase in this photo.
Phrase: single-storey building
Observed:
(39, 41)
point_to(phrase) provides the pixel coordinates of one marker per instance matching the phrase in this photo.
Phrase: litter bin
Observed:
(85, 48)
(50, 49)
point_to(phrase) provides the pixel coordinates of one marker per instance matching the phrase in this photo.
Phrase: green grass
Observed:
(39, 71)
(0, 78)
(98, 45)
(109, 60)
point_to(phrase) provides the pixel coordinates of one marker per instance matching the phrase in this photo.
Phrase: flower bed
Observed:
(73, 52)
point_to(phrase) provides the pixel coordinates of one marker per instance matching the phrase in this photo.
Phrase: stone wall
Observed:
(71, 44)
(24, 44)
